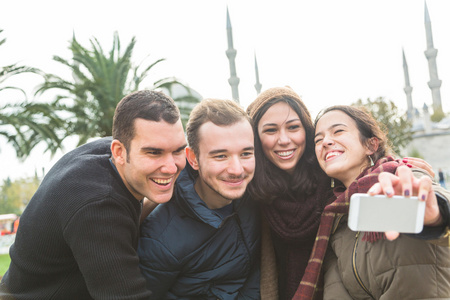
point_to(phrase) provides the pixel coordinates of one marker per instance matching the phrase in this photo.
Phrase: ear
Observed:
(192, 158)
(372, 145)
(119, 152)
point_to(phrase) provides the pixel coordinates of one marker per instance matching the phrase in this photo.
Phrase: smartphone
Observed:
(380, 213)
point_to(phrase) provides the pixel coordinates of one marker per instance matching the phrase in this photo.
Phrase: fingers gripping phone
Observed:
(380, 213)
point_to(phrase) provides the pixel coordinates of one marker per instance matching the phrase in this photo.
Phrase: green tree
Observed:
(7, 72)
(415, 153)
(396, 124)
(24, 124)
(87, 101)
(16, 194)
(437, 116)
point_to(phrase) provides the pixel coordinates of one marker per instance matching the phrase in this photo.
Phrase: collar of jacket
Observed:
(190, 202)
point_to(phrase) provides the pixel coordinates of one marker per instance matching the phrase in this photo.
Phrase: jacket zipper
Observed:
(355, 271)
(238, 221)
(235, 216)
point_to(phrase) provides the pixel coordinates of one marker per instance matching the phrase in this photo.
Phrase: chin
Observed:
(332, 173)
(234, 196)
(162, 198)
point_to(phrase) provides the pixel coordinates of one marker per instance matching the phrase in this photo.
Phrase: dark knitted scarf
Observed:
(295, 222)
(361, 184)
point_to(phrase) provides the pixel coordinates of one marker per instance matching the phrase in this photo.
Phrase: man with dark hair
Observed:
(204, 243)
(79, 234)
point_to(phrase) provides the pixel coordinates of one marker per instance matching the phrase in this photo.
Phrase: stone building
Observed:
(430, 139)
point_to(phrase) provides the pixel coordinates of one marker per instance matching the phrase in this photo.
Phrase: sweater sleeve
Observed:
(437, 235)
(101, 235)
(159, 267)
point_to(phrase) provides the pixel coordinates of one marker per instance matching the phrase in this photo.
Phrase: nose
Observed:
(169, 165)
(235, 166)
(327, 141)
(283, 138)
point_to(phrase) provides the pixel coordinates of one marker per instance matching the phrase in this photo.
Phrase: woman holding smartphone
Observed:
(291, 187)
(352, 149)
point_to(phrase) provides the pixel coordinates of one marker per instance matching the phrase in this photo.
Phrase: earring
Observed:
(371, 161)
(332, 182)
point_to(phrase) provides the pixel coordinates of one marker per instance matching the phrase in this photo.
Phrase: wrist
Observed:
(438, 222)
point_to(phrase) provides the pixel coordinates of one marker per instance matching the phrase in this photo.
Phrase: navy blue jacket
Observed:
(187, 250)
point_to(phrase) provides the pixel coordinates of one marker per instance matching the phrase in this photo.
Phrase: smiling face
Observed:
(155, 159)
(226, 162)
(282, 135)
(338, 147)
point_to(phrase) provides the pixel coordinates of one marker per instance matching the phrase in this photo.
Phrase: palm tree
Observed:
(100, 80)
(185, 97)
(25, 124)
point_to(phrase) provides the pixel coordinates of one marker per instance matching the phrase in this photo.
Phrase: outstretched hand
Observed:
(419, 163)
(404, 183)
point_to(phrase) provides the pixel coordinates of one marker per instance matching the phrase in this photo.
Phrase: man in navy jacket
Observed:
(205, 243)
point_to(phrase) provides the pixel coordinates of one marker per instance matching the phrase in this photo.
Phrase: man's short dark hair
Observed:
(145, 104)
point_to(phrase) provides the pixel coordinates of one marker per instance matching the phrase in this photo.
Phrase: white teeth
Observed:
(285, 153)
(332, 154)
(162, 181)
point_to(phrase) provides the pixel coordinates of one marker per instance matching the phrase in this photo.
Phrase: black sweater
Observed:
(78, 236)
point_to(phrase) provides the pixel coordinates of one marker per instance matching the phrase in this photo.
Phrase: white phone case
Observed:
(379, 213)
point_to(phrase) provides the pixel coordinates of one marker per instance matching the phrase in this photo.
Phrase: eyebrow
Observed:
(331, 127)
(217, 151)
(290, 121)
(160, 149)
(181, 148)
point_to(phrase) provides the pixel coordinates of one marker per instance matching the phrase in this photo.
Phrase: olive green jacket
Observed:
(407, 268)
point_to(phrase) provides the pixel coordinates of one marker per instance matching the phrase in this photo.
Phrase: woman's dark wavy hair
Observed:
(269, 181)
(367, 125)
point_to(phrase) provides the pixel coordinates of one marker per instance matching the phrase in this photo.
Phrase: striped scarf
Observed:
(340, 206)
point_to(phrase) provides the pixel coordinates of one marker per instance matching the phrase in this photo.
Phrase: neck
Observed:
(119, 171)
(348, 181)
(211, 198)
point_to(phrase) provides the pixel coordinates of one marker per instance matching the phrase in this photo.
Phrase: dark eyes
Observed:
(244, 154)
(335, 132)
(274, 129)
(270, 130)
(156, 152)
(181, 151)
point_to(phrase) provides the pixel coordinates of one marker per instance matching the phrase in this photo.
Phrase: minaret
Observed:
(426, 119)
(408, 89)
(258, 85)
(231, 54)
(431, 54)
